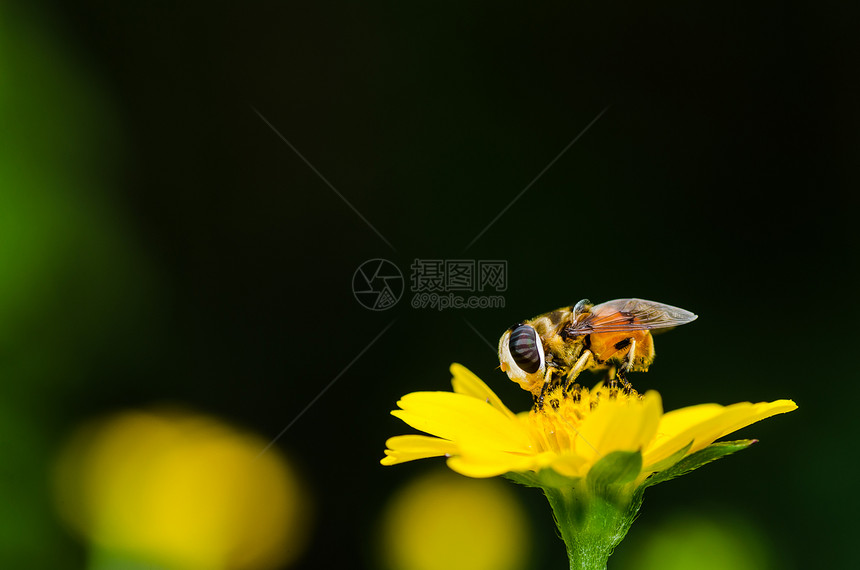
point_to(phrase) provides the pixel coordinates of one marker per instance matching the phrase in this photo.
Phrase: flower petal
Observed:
(704, 424)
(619, 425)
(481, 462)
(404, 448)
(465, 420)
(465, 382)
(568, 464)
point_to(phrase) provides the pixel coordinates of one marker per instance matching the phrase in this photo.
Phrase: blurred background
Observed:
(186, 193)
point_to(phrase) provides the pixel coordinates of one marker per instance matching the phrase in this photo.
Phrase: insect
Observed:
(554, 348)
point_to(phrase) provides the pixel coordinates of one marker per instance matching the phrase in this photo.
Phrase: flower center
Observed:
(565, 409)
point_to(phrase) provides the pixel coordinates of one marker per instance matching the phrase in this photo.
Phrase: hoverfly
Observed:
(554, 348)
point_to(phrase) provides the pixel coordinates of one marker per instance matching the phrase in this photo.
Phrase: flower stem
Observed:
(590, 526)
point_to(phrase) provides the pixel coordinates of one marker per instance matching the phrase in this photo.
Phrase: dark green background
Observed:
(206, 263)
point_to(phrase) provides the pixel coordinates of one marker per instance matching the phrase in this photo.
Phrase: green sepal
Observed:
(711, 453)
(547, 478)
(552, 478)
(608, 476)
(616, 468)
(529, 479)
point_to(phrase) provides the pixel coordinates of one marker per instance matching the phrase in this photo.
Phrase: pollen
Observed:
(557, 424)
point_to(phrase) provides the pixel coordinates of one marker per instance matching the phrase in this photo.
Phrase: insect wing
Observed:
(630, 315)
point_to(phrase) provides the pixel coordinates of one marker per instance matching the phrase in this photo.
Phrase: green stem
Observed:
(590, 526)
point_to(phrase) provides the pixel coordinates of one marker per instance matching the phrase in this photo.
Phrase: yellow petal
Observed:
(619, 425)
(706, 423)
(673, 429)
(404, 448)
(465, 382)
(569, 465)
(677, 421)
(739, 416)
(463, 420)
(480, 462)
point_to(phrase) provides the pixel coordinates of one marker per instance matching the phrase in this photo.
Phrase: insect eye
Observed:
(526, 348)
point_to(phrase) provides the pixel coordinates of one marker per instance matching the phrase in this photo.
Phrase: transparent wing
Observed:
(628, 315)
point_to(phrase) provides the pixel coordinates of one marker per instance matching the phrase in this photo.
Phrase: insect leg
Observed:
(581, 364)
(540, 399)
(631, 354)
(547, 380)
(612, 375)
(628, 364)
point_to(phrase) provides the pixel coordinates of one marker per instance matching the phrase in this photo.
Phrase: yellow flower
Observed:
(179, 490)
(441, 521)
(481, 437)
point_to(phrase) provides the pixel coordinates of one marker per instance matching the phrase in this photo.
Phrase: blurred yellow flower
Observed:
(181, 491)
(441, 521)
(481, 437)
